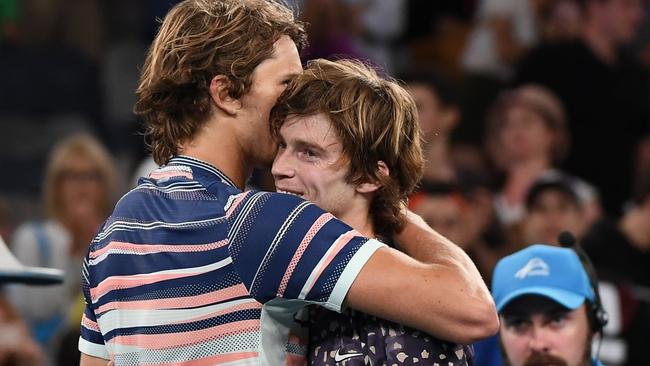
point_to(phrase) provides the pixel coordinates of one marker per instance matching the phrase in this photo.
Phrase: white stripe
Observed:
(131, 226)
(312, 277)
(192, 270)
(114, 251)
(126, 318)
(239, 220)
(246, 362)
(192, 188)
(350, 273)
(92, 349)
(230, 201)
(246, 342)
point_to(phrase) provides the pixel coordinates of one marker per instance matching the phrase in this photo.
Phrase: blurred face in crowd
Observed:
(81, 189)
(619, 18)
(536, 330)
(434, 117)
(551, 213)
(310, 163)
(444, 213)
(563, 22)
(525, 134)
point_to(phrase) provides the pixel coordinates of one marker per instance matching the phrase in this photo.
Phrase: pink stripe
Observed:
(167, 174)
(297, 339)
(166, 341)
(318, 224)
(126, 282)
(343, 241)
(87, 323)
(236, 203)
(179, 302)
(212, 360)
(155, 248)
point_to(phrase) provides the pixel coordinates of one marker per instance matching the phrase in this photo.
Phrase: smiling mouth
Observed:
(291, 193)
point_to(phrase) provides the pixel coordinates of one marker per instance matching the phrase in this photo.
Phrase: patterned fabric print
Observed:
(353, 338)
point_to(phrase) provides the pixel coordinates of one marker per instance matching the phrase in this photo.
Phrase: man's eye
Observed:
(309, 154)
(517, 324)
(558, 320)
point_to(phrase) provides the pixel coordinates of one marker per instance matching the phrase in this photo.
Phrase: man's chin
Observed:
(544, 360)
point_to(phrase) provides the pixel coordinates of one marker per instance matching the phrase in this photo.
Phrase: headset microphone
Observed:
(598, 314)
(566, 239)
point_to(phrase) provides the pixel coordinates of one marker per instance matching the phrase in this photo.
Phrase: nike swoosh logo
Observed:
(342, 357)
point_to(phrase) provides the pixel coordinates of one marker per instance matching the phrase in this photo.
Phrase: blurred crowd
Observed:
(535, 117)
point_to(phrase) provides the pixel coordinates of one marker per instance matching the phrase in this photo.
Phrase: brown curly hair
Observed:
(198, 40)
(375, 118)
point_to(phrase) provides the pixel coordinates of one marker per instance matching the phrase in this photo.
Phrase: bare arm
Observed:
(87, 360)
(438, 290)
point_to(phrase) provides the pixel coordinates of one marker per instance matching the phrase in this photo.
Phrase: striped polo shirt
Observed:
(190, 270)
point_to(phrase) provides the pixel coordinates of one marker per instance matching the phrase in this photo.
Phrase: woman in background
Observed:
(78, 192)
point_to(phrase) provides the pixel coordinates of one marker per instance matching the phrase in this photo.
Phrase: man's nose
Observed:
(282, 167)
(540, 339)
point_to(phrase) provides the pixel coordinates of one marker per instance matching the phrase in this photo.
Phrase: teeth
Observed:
(291, 193)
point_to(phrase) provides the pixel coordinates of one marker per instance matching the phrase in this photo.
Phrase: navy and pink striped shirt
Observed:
(190, 270)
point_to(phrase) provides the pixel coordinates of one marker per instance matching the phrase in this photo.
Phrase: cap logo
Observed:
(534, 267)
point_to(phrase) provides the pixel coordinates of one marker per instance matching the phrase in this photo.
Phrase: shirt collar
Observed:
(196, 163)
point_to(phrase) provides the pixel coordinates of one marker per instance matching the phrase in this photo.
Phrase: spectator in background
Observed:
(381, 24)
(547, 305)
(464, 213)
(527, 139)
(78, 193)
(504, 30)
(439, 114)
(605, 92)
(17, 348)
(559, 20)
(333, 27)
(552, 206)
(621, 249)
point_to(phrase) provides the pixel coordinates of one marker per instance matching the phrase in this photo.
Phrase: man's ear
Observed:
(373, 186)
(219, 92)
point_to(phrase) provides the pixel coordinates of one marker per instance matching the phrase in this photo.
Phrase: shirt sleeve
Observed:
(285, 247)
(91, 341)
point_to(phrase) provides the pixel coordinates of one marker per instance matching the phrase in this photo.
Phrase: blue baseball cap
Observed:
(543, 270)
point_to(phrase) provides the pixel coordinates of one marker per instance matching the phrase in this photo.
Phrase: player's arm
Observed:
(441, 293)
(87, 360)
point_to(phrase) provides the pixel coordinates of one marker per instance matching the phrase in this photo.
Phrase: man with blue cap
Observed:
(548, 307)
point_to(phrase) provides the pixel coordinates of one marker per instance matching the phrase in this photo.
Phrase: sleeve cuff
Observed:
(335, 301)
(93, 349)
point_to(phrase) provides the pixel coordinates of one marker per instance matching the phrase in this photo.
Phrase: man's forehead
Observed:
(533, 304)
(315, 128)
(283, 63)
